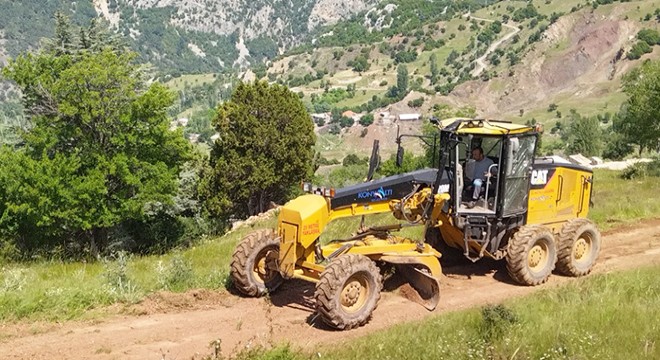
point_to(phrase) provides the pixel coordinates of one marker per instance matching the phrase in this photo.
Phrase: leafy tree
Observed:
(617, 147)
(584, 135)
(367, 120)
(527, 12)
(360, 64)
(99, 152)
(453, 55)
(405, 56)
(650, 36)
(640, 122)
(265, 149)
(346, 121)
(496, 26)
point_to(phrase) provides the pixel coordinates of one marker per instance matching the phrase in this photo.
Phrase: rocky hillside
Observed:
(537, 62)
(184, 36)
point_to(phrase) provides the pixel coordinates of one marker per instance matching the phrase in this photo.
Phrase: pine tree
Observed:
(264, 151)
(434, 69)
(402, 80)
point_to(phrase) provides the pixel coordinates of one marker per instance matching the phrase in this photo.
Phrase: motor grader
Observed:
(531, 214)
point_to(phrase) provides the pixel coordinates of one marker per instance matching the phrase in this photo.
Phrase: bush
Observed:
(641, 170)
(334, 129)
(405, 56)
(176, 275)
(639, 49)
(649, 36)
(635, 171)
(353, 159)
(495, 321)
(416, 103)
(324, 161)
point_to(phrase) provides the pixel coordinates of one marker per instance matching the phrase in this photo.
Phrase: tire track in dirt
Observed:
(240, 322)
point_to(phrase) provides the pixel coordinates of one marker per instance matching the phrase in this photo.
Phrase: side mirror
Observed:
(374, 160)
(399, 156)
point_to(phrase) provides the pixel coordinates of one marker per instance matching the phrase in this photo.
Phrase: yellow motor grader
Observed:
(531, 212)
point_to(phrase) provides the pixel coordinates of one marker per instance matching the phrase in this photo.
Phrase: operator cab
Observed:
(478, 162)
(490, 164)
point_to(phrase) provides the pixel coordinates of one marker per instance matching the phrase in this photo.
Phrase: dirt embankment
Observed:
(576, 57)
(181, 326)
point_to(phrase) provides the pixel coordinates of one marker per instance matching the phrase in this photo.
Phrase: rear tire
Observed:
(531, 255)
(578, 247)
(348, 291)
(251, 272)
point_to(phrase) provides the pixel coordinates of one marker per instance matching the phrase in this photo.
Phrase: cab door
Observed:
(519, 158)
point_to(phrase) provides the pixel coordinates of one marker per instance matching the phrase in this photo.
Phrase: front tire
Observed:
(579, 246)
(253, 266)
(531, 255)
(348, 291)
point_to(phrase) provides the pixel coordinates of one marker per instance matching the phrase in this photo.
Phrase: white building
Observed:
(409, 117)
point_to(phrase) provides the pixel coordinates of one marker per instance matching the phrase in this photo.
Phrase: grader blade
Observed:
(427, 288)
(422, 273)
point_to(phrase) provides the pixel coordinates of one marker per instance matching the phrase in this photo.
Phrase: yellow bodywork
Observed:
(563, 194)
(484, 127)
(302, 220)
(566, 196)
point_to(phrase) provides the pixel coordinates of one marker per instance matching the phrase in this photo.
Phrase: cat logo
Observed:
(539, 177)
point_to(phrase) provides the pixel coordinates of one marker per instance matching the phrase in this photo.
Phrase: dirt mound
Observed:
(169, 302)
(574, 58)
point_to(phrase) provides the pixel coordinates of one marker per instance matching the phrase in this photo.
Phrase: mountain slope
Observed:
(535, 61)
(183, 36)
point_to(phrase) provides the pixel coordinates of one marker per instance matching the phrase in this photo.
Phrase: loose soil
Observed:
(182, 326)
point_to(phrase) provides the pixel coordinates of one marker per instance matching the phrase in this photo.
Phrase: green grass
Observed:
(331, 146)
(360, 98)
(61, 291)
(606, 316)
(618, 201)
(179, 83)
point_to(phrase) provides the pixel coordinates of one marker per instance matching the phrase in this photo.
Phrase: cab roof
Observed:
(484, 127)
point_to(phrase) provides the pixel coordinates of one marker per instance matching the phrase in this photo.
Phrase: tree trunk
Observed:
(262, 201)
(93, 249)
(98, 240)
(253, 205)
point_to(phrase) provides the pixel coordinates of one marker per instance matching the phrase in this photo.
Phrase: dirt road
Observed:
(168, 332)
(481, 61)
